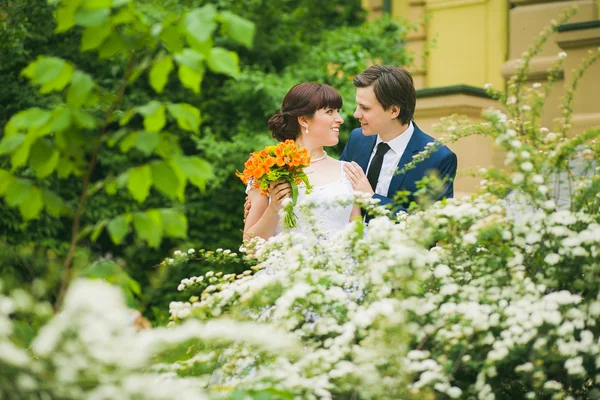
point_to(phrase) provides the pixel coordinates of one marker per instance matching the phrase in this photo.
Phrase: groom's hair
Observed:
(392, 86)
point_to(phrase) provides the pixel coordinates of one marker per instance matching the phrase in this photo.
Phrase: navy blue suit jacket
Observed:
(443, 160)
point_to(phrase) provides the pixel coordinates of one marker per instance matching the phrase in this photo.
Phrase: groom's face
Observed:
(373, 118)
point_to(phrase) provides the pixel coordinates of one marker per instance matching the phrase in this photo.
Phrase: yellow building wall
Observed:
(468, 42)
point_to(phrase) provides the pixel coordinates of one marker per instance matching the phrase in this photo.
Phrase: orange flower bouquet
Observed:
(285, 161)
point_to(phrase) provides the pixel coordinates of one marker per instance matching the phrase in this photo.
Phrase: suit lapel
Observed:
(413, 147)
(364, 153)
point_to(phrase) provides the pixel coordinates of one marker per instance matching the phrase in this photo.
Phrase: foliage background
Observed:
(295, 41)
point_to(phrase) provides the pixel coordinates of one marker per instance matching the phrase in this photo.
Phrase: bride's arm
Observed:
(355, 214)
(263, 217)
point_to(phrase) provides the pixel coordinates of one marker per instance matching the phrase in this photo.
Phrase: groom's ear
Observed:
(395, 111)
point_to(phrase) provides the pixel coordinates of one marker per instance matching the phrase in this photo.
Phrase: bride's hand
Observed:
(278, 191)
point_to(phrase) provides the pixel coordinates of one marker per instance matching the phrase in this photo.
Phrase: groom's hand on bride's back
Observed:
(357, 177)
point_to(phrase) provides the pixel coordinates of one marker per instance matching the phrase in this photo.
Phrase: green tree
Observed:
(83, 118)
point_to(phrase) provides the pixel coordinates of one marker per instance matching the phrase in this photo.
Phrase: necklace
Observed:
(314, 160)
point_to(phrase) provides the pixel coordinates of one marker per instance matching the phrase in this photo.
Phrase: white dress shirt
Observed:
(391, 159)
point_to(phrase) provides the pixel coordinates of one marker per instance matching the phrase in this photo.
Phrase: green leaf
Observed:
(91, 17)
(198, 171)
(92, 4)
(111, 188)
(187, 116)
(148, 227)
(159, 74)
(19, 157)
(181, 177)
(94, 36)
(6, 178)
(81, 86)
(164, 179)
(98, 230)
(239, 29)
(190, 79)
(224, 61)
(54, 204)
(111, 46)
(65, 168)
(17, 192)
(27, 119)
(32, 206)
(84, 119)
(115, 137)
(61, 119)
(191, 59)
(65, 16)
(139, 182)
(154, 116)
(147, 141)
(171, 39)
(130, 140)
(174, 223)
(117, 229)
(51, 73)
(200, 23)
(10, 143)
(43, 158)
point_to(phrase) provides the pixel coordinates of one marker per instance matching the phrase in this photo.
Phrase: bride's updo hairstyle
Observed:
(304, 99)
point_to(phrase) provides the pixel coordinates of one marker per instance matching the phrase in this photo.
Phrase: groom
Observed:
(388, 139)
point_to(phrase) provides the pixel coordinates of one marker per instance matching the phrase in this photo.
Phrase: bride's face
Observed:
(324, 127)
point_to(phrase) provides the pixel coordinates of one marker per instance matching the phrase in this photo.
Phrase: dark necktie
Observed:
(375, 168)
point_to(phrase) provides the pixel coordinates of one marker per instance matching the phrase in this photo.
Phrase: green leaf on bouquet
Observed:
(239, 29)
(118, 228)
(224, 61)
(31, 207)
(154, 116)
(200, 23)
(148, 226)
(187, 116)
(159, 74)
(197, 170)
(139, 182)
(164, 179)
(174, 223)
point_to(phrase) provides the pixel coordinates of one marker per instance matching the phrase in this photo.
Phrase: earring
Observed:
(306, 131)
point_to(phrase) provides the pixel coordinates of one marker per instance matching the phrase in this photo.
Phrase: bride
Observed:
(309, 115)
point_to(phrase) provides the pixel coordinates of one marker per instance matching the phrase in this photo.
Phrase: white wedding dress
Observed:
(326, 208)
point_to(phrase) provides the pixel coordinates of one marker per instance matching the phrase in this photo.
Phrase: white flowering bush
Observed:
(495, 296)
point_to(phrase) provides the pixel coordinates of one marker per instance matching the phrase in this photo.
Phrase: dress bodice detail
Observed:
(328, 216)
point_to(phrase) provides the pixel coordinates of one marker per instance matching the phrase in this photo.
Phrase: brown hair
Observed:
(303, 99)
(392, 86)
